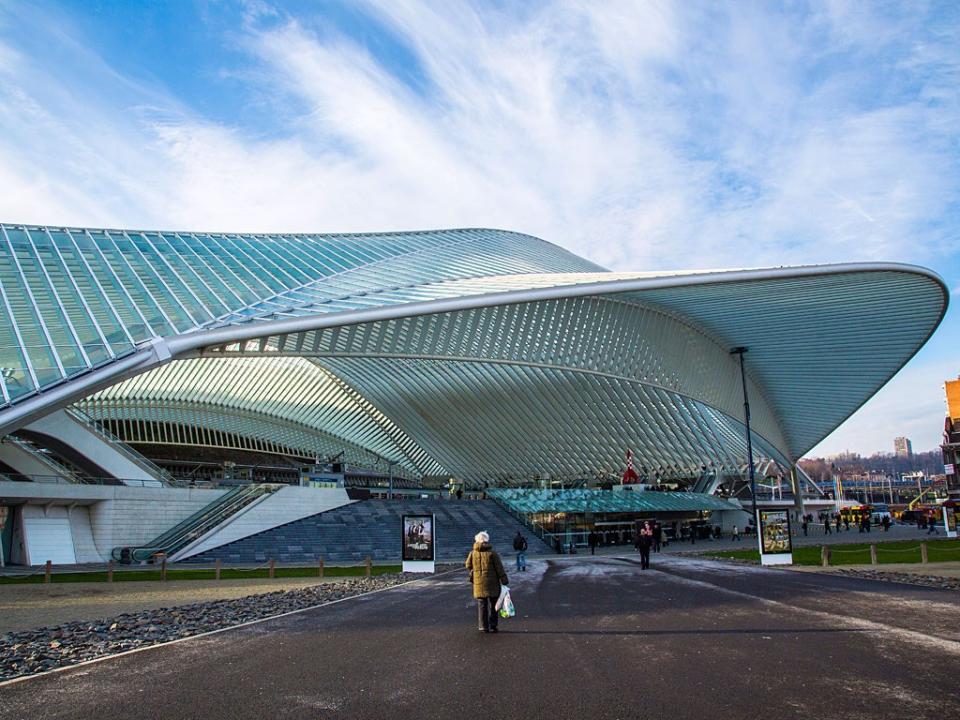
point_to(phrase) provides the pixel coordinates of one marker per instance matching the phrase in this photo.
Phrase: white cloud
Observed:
(654, 136)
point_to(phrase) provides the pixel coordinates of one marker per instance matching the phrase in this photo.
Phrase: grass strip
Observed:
(199, 574)
(902, 551)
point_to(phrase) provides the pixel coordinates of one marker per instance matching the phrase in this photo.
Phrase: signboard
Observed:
(948, 468)
(776, 547)
(418, 543)
(950, 521)
(320, 482)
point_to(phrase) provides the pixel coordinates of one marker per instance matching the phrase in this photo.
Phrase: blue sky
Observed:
(643, 136)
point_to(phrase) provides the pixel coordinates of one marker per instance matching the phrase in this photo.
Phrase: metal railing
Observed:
(87, 480)
(198, 524)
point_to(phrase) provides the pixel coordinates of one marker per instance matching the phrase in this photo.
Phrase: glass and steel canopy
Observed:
(482, 354)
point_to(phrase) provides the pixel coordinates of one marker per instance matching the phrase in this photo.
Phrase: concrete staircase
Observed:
(287, 505)
(372, 527)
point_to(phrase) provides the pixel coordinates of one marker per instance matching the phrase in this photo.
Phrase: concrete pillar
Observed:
(796, 483)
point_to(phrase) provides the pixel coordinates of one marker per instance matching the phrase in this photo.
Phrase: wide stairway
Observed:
(372, 527)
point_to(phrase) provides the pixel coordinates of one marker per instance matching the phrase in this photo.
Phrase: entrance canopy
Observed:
(586, 500)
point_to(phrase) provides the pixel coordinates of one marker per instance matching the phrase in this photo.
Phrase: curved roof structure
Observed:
(482, 354)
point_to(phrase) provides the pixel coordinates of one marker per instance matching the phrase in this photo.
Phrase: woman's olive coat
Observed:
(486, 571)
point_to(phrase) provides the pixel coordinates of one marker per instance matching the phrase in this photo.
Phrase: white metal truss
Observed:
(484, 354)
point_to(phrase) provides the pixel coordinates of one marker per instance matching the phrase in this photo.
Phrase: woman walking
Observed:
(486, 575)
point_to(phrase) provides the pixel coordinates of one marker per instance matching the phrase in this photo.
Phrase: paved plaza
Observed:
(593, 638)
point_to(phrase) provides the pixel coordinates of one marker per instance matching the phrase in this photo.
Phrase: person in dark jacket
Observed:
(486, 575)
(520, 545)
(592, 539)
(646, 540)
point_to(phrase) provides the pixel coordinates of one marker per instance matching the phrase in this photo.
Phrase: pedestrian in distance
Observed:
(486, 576)
(646, 540)
(735, 535)
(520, 545)
(826, 526)
(804, 526)
(592, 539)
(657, 536)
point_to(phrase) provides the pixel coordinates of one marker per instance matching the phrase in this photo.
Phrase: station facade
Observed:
(485, 358)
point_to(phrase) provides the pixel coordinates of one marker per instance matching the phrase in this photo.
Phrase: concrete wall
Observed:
(106, 516)
(82, 530)
(284, 506)
(138, 517)
(83, 441)
(26, 463)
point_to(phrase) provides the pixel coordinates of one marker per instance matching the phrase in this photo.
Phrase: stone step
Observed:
(372, 527)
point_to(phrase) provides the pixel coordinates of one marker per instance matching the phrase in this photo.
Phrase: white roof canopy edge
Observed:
(161, 350)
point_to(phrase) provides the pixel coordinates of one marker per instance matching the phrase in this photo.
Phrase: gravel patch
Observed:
(32, 651)
(24, 607)
(934, 581)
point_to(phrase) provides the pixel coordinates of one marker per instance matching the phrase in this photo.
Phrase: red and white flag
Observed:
(630, 476)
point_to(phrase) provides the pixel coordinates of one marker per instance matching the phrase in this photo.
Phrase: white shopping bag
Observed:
(504, 590)
(505, 603)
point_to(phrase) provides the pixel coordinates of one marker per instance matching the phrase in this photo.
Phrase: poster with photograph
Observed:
(418, 537)
(775, 532)
(950, 518)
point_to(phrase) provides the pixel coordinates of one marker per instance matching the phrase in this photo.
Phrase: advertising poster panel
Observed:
(418, 538)
(950, 521)
(776, 547)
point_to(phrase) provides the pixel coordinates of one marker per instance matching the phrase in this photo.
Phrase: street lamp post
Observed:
(746, 417)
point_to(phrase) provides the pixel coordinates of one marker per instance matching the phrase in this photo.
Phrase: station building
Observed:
(151, 378)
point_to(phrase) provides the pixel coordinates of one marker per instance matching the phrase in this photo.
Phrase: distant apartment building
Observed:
(902, 447)
(951, 438)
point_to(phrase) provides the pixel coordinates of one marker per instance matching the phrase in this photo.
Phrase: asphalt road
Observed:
(593, 638)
